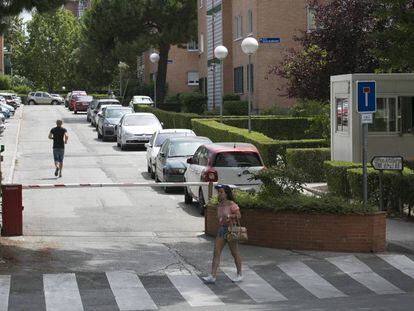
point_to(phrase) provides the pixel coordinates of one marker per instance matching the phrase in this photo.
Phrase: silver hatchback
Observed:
(108, 119)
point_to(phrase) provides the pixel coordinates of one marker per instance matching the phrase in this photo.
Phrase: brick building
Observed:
(77, 6)
(228, 22)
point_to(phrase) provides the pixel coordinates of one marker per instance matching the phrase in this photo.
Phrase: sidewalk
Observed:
(400, 236)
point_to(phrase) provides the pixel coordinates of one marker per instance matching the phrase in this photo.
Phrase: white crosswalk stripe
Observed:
(4, 292)
(363, 274)
(401, 262)
(129, 292)
(255, 286)
(194, 291)
(62, 292)
(310, 280)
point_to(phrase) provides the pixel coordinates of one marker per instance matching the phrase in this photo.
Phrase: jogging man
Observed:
(60, 138)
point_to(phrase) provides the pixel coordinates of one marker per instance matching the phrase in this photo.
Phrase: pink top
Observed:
(224, 210)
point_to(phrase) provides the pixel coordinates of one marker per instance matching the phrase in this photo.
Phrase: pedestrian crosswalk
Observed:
(327, 278)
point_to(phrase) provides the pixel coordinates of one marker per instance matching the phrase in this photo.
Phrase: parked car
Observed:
(41, 98)
(72, 99)
(171, 162)
(5, 111)
(101, 103)
(59, 98)
(10, 109)
(67, 98)
(81, 103)
(135, 129)
(2, 116)
(141, 100)
(2, 126)
(10, 100)
(108, 119)
(17, 99)
(154, 145)
(227, 163)
(90, 109)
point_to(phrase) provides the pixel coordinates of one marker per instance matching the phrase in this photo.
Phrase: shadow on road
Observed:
(190, 209)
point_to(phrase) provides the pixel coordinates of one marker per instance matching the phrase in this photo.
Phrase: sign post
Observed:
(367, 104)
(382, 163)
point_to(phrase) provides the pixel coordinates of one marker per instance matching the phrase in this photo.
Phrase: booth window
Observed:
(406, 120)
(342, 114)
(386, 118)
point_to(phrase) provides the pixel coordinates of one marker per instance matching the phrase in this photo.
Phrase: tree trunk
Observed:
(162, 72)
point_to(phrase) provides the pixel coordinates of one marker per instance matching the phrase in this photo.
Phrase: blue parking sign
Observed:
(366, 96)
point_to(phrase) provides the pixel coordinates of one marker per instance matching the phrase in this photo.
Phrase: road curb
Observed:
(13, 164)
(396, 247)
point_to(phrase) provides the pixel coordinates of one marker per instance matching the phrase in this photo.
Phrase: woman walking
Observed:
(227, 213)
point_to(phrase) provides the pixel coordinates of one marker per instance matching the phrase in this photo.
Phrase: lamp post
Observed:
(249, 47)
(221, 53)
(154, 58)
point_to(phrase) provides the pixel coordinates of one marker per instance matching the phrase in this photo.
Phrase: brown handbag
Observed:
(236, 232)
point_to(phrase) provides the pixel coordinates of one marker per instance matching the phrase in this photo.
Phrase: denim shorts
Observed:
(222, 231)
(58, 154)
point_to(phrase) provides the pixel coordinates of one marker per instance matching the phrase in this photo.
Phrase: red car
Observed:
(81, 103)
(72, 99)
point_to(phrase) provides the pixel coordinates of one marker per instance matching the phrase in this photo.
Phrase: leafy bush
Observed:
(275, 110)
(5, 82)
(193, 102)
(235, 108)
(309, 162)
(336, 173)
(231, 97)
(269, 148)
(21, 88)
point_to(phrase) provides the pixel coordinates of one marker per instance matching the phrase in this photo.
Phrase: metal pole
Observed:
(155, 89)
(222, 90)
(250, 99)
(381, 202)
(364, 162)
(120, 81)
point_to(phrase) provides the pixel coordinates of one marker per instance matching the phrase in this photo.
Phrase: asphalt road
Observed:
(139, 248)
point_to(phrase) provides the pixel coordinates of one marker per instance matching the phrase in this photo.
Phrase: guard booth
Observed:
(392, 130)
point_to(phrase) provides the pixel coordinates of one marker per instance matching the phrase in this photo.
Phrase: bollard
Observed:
(12, 213)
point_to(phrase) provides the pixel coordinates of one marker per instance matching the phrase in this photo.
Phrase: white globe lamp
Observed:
(221, 52)
(249, 46)
(154, 58)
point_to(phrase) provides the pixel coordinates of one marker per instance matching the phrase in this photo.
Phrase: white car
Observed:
(10, 108)
(225, 163)
(60, 99)
(2, 126)
(154, 145)
(135, 129)
(141, 100)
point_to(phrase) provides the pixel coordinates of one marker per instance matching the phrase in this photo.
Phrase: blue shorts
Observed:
(222, 231)
(58, 154)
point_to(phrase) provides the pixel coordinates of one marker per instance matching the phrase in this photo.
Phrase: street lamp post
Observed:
(221, 53)
(249, 47)
(154, 58)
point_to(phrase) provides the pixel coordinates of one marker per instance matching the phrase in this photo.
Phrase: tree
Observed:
(119, 30)
(340, 44)
(396, 38)
(15, 41)
(52, 37)
(12, 8)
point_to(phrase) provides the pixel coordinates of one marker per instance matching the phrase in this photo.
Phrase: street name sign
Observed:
(392, 163)
(269, 40)
(366, 96)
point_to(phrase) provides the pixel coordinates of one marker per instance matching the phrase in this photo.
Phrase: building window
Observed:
(342, 114)
(250, 22)
(386, 117)
(201, 47)
(238, 27)
(406, 120)
(238, 80)
(249, 74)
(311, 18)
(192, 45)
(192, 78)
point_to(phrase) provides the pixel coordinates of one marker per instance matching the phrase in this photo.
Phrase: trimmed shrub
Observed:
(169, 118)
(269, 148)
(309, 161)
(5, 82)
(230, 97)
(337, 176)
(193, 102)
(275, 110)
(235, 108)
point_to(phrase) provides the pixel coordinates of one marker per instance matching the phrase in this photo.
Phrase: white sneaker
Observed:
(209, 279)
(238, 278)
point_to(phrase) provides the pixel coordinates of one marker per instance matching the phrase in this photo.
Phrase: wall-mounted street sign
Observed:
(366, 97)
(170, 61)
(392, 163)
(269, 40)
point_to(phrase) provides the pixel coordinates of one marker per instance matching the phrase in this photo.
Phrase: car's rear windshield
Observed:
(117, 113)
(163, 136)
(237, 159)
(136, 120)
(184, 149)
(143, 99)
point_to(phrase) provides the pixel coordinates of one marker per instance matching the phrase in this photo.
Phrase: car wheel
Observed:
(201, 202)
(188, 199)
(54, 103)
(32, 102)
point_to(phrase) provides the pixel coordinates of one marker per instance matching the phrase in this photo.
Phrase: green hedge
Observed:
(269, 148)
(309, 161)
(169, 118)
(336, 173)
(193, 102)
(235, 108)
(278, 127)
